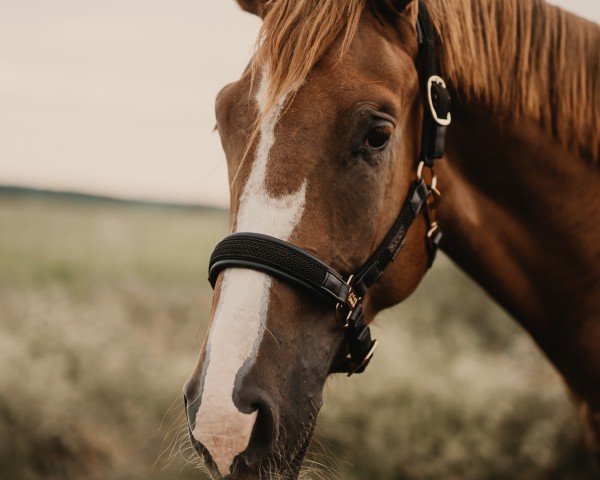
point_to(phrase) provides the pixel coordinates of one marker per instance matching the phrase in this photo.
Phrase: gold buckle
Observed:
(444, 122)
(352, 301)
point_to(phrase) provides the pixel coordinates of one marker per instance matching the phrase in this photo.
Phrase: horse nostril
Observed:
(190, 400)
(264, 432)
(224, 427)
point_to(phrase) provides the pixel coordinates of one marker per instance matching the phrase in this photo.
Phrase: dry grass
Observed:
(102, 308)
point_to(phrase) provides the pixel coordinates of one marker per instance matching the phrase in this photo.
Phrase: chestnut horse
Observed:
(322, 134)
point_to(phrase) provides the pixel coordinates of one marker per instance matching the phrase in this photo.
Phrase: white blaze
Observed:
(241, 314)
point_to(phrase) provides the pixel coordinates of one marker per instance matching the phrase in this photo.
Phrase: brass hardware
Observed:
(433, 183)
(434, 193)
(420, 170)
(433, 186)
(432, 229)
(367, 358)
(436, 196)
(338, 316)
(352, 301)
(433, 198)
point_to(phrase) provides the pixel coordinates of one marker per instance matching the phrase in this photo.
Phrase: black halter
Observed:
(292, 264)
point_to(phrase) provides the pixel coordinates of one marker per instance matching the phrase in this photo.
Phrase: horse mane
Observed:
(295, 34)
(525, 59)
(521, 59)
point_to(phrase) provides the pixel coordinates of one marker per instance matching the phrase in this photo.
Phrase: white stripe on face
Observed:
(241, 314)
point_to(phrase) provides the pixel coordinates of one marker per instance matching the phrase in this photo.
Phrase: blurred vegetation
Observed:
(102, 309)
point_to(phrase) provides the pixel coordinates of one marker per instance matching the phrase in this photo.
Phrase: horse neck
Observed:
(520, 178)
(518, 213)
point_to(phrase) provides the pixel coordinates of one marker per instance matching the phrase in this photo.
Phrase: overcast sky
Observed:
(116, 96)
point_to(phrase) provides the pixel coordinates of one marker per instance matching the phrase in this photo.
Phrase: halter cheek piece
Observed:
(292, 264)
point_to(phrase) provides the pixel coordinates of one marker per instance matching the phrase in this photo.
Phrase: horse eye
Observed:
(377, 138)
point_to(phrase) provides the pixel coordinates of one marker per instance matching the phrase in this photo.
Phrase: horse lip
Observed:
(292, 474)
(295, 457)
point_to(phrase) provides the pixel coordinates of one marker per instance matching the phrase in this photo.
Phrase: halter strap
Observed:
(437, 101)
(290, 263)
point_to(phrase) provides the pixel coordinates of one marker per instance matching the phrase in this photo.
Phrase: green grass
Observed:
(103, 307)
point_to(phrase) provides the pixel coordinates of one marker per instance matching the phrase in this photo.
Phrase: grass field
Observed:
(102, 309)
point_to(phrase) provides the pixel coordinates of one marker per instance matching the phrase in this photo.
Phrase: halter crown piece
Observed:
(292, 264)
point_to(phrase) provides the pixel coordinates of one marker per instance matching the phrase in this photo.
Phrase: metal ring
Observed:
(366, 360)
(420, 170)
(432, 229)
(433, 185)
(444, 122)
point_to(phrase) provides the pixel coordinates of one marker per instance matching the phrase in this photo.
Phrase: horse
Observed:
(322, 135)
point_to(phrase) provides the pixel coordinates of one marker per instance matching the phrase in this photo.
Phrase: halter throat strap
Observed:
(291, 264)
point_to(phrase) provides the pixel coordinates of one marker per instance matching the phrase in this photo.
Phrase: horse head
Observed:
(321, 135)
